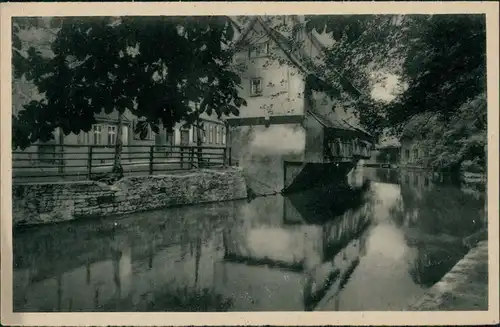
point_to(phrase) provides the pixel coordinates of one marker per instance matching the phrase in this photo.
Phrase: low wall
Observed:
(54, 202)
(464, 288)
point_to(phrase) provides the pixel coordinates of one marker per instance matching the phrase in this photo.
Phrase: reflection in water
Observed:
(371, 249)
(281, 266)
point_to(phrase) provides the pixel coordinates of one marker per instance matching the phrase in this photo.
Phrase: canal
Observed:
(376, 248)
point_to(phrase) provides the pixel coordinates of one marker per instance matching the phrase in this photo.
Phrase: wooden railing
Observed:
(346, 151)
(80, 162)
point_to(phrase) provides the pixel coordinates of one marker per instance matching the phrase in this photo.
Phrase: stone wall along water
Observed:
(55, 202)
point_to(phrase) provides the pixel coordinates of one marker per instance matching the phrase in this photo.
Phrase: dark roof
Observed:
(330, 121)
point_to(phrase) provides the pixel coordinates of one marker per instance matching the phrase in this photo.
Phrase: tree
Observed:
(154, 67)
(445, 67)
(452, 141)
(366, 49)
(440, 60)
(444, 108)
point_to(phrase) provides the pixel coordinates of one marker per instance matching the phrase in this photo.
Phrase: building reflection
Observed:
(130, 264)
(232, 256)
(292, 260)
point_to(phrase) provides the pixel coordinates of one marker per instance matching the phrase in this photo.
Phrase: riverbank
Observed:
(464, 288)
(42, 203)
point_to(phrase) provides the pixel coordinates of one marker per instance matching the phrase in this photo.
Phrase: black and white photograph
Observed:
(250, 163)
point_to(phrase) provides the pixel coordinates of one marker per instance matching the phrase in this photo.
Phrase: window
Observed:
(256, 86)
(96, 131)
(170, 138)
(125, 135)
(407, 154)
(223, 135)
(258, 50)
(210, 134)
(415, 153)
(336, 148)
(197, 135)
(217, 135)
(204, 133)
(184, 133)
(111, 135)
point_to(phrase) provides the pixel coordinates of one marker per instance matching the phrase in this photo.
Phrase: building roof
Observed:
(330, 121)
(389, 142)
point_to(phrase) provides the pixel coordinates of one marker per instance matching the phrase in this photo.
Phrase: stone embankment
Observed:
(464, 288)
(40, 203)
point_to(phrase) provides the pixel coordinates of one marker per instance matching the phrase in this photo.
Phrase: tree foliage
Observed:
(155, 67)
(445, 67)
(450, 142)
(364, 44)
(446, 73)
(441, 63)
(367, 49)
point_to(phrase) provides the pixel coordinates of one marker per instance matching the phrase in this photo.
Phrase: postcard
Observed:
(267, 163)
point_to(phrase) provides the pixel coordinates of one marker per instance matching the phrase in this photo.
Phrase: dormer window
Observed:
(259, 50)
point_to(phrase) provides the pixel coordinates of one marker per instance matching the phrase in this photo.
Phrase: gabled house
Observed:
(292, 134)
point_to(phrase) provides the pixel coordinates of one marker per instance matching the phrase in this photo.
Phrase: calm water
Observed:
(376, 249)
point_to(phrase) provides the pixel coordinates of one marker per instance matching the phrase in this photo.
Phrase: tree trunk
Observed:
(117, 166)
(198, 137)
(199, 142)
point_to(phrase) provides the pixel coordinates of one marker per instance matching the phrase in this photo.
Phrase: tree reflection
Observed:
(435, 217)
(433, 262)
(442, 209)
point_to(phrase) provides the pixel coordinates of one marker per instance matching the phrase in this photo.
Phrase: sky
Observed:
(387, 89)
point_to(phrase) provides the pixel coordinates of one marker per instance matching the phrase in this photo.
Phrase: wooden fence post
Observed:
(151, 158)
(89, 163)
